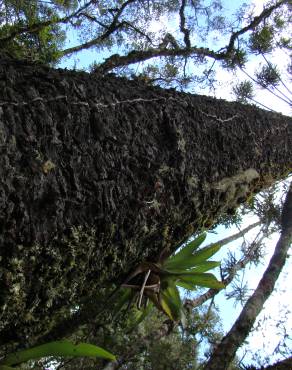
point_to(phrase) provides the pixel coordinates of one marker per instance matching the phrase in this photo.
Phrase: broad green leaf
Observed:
(58, 348)
(185, 285)
(140, 316)
(185, 252)
(200, 279)
(191, 261)
(206, 266)
(171, 302)
(205, 253)
(4, 367)
(199, 267)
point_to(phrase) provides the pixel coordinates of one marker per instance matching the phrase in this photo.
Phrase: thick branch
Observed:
(136, 56)
(225, 351)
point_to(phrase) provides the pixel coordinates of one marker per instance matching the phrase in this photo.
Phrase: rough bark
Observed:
(226, 349)
(99, 173)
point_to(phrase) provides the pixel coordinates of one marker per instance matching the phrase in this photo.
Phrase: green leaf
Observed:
(206, 266)
(58, 348)
(4, 367)
(170, 301)
(185, 252)
(199, 279)
(185, 285)
(202, 266)
(191, 261)
(142, 314)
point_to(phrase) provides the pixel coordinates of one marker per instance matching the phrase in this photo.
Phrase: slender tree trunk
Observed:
(100, 173)
(226, 350)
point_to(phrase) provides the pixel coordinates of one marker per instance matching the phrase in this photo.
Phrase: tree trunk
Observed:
(100, 173)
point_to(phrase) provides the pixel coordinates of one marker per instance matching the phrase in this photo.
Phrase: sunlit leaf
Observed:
(171, 302)
(59, 349)
(185, 252)
(185, 285)
(191, 261)
(200, 279)
(205, 266)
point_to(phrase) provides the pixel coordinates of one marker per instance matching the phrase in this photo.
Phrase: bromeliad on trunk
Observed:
(157, 283)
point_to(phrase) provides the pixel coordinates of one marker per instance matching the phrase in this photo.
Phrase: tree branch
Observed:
(136, 56)
(115, 25)
(253, 24)
(226, 350)
(241, 233)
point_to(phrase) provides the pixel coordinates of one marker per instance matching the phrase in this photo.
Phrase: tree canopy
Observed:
(173, 43)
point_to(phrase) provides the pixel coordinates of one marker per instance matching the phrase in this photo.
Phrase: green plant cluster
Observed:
(157, 284)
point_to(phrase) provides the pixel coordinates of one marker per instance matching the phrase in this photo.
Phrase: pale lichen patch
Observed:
(235, 190)
(244, 177)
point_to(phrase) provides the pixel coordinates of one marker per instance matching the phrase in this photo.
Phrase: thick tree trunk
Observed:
(98, 174)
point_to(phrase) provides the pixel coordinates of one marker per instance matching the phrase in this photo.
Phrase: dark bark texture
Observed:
(281, 365)
(100, 173)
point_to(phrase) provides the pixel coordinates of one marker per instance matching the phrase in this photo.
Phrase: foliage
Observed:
(173, 351)
(39, 43)
(244, 91)
(56, 349)
(268, 76)
(261, 41)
